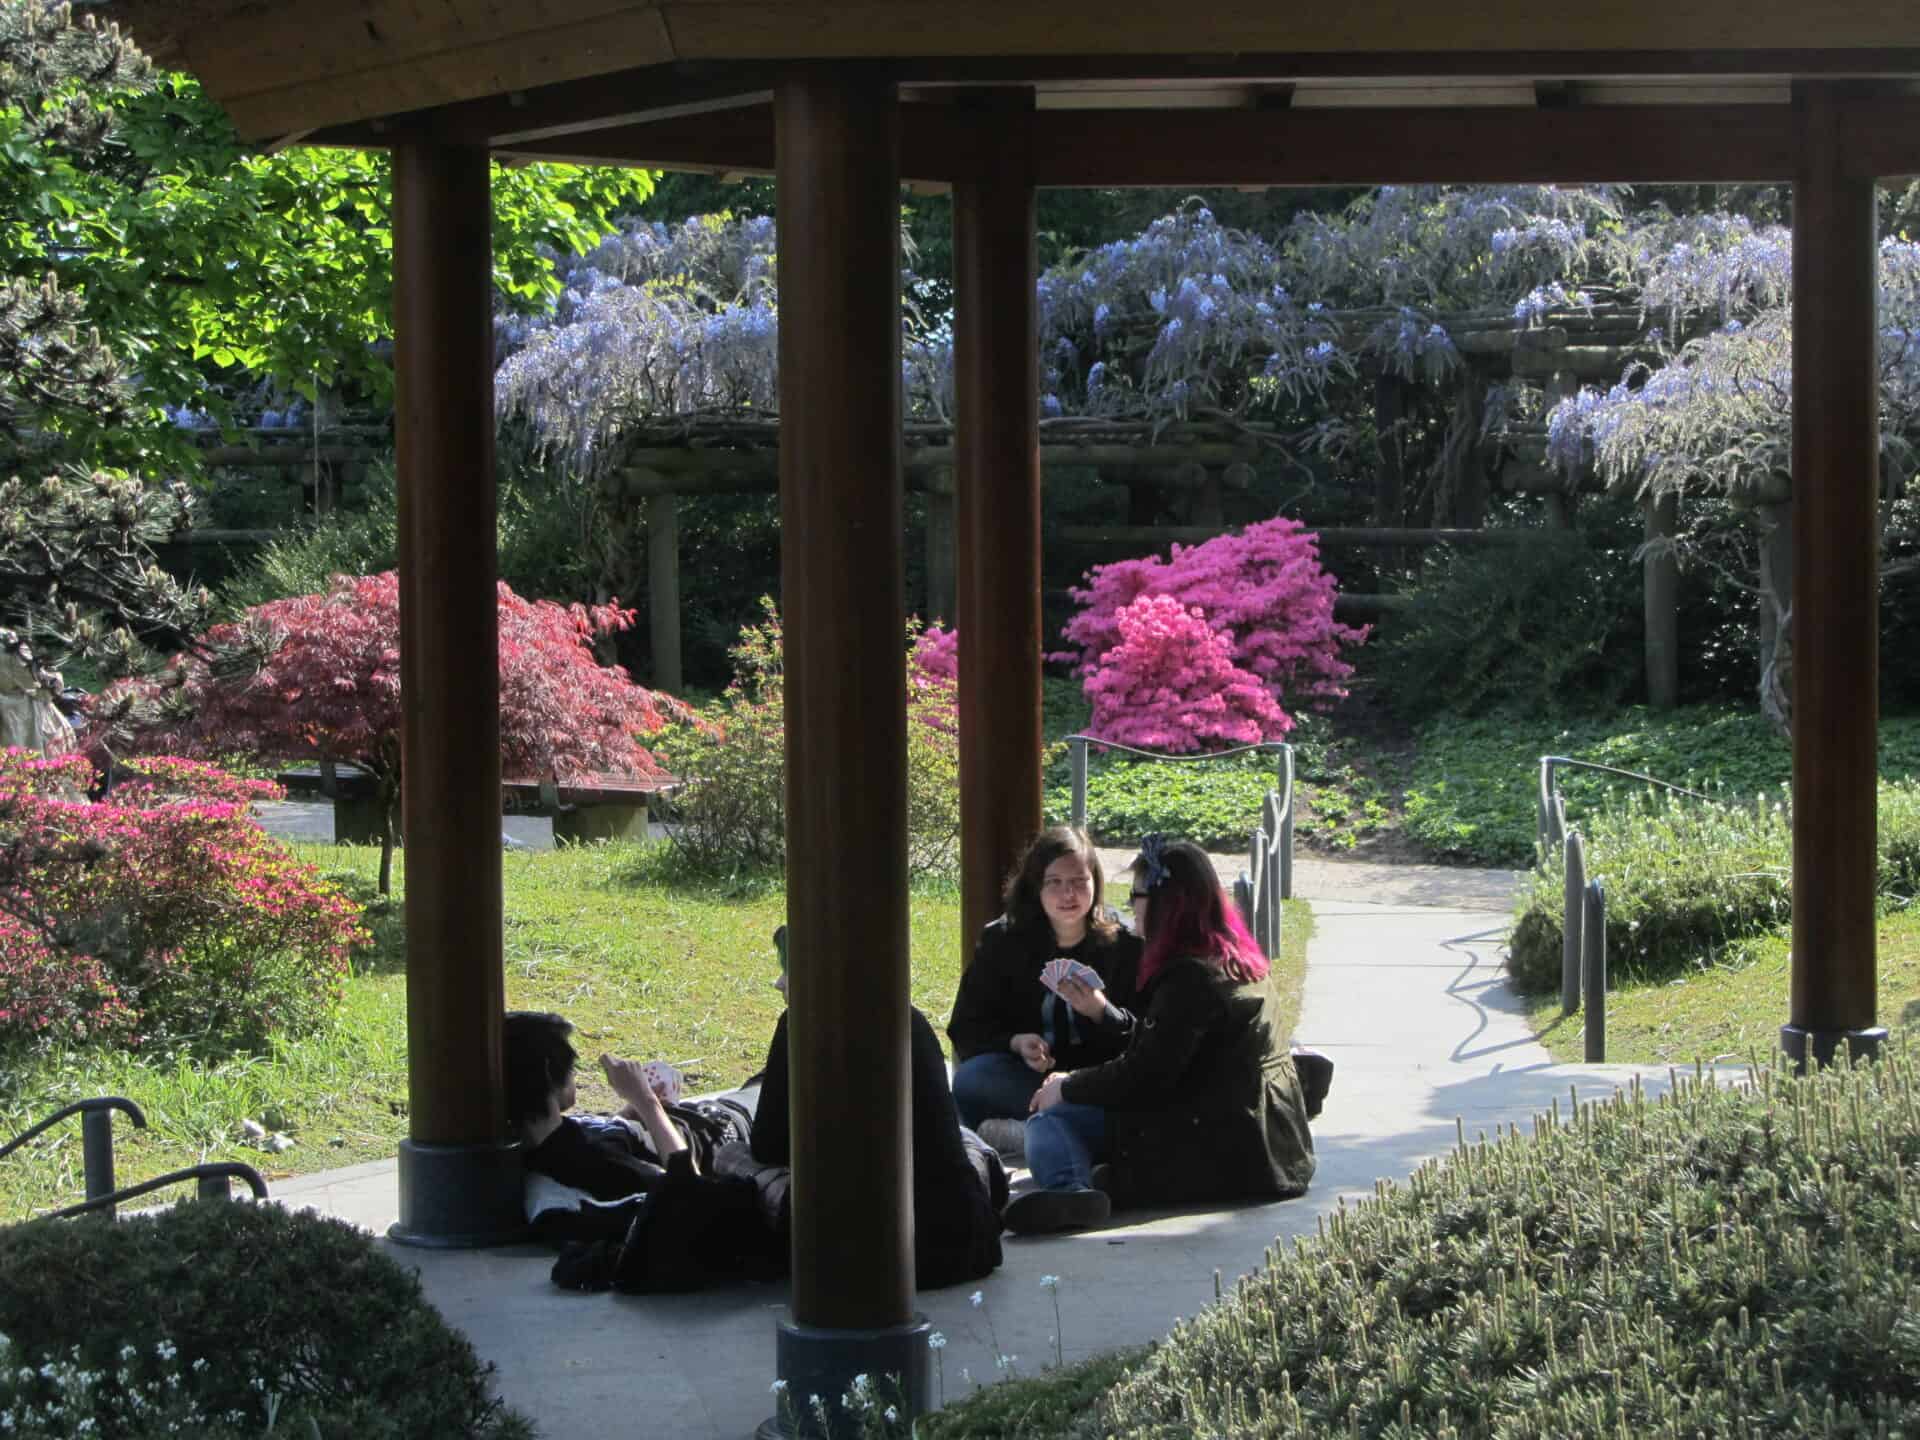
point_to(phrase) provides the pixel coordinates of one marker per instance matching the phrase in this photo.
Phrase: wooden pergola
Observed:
(842, 102)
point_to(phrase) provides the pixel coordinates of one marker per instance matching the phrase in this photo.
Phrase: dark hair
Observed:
(1189, 917)
(1022, 892)
(537, 1060)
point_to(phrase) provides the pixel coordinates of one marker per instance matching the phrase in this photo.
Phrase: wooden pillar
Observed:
(458, 1183)
(942, 591)
(837, 166)
(997, 447)
(1836, 656)
(1660, 600)
(663, 589)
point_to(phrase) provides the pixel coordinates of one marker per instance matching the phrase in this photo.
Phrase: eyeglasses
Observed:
(1067, 882)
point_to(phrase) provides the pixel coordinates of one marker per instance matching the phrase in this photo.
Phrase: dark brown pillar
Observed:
(837, 168)
(1836, 656)
(997, 508)
(1660, 600)
(459, 1184)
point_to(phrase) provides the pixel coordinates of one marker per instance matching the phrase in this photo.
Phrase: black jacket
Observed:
(1001, 995)
(1205, 1105)
(956, 1230)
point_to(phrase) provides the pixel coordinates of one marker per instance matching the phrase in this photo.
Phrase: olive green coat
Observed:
(1204, 1104)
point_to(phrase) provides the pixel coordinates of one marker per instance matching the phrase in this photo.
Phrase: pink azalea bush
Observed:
(161, 911)
(1170, 665)
(933, 679)
(1261, 591)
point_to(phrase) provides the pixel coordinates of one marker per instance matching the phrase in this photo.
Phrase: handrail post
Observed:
(1286, 828)
(1077, 760)
(1573, 915)
(213, 1187)
(1543, 806)
(1262, 865)
(1593, 936)
(96, 1152)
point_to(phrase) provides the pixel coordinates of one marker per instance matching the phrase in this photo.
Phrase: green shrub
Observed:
(729, 818)
(1215, 803)
(229, 1319)
(1722, 1262)
(303, 561)
(1684, 879)
(1544, 625)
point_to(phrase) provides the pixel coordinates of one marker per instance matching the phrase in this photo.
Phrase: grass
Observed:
(644, 965)
(1728, 1010)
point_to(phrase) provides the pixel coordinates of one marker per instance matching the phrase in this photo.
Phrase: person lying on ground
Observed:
(1009, 1027)
(1205, 1104)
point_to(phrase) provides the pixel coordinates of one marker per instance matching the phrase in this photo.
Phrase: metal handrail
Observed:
(212, 1179)
(1279, 816)
(79, 1107)
(96, 1141)
(1550, 808)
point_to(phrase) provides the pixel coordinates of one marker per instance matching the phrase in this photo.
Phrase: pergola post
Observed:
(842, 589)
(1660, 600)
(1836, 654)
(997, 507)
(460, 1183)
(663, 589)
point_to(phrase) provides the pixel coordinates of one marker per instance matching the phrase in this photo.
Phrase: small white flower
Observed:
(1049, 1282)
(778, 1387)
(892, 1414)
(1005, 1362)
(936, 1341)
(977, 1299)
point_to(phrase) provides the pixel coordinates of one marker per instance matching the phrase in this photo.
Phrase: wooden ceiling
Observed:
(541, 72)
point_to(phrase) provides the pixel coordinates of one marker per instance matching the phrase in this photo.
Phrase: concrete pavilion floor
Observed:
(1408, 999)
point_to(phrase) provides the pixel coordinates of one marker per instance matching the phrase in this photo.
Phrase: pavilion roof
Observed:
(539, 71)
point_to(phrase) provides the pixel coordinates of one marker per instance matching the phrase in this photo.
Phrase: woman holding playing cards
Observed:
(1205, 1103)
(1016, 1018)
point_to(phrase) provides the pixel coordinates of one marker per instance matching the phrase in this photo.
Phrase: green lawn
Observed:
(643, 966)
(1729, 1010)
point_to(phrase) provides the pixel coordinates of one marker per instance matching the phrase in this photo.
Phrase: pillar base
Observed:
(1822, 1045)
(814, 1360)
(460, 1197)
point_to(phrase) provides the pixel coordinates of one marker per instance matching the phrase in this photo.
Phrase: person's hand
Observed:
(1048, 1095)
(1089, 1000)
(628, 1080)
(1033, 1050)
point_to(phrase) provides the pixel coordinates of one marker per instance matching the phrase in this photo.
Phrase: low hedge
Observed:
(1684, 879)
(1720, 1261)
(228, 1319)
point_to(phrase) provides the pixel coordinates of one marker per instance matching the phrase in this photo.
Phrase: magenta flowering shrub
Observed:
(1261, 590)
(933, 679)
(1171, 684)
(160, 911)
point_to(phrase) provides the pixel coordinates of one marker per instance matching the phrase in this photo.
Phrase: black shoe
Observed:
(1040, 1212)
(1101, 1178)
(1316, 1078)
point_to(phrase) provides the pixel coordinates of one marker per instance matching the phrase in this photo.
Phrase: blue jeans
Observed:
(994, 1084)
(1063, 1143)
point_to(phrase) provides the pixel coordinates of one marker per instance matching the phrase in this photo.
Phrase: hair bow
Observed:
(1153, 860)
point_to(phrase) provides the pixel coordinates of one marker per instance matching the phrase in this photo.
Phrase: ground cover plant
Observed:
(1685, 878)
(1720, 1260)
(1723, 1011)
(1470, 792)
(227, 1320)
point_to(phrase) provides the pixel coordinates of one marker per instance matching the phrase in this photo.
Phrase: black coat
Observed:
(956, 1230)
(1001, 995)
(1205, 1105)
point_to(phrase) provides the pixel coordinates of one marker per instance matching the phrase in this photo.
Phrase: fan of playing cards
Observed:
(666, 1081)
(1061, 968)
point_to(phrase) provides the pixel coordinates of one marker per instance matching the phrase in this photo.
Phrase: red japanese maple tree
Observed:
(317, 677)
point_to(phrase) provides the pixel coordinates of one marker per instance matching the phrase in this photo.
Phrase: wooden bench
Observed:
(595, 807)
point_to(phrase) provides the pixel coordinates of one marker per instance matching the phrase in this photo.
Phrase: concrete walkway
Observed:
(1408, 999)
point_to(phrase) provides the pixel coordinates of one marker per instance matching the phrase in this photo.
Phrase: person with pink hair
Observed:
(1206, 1103)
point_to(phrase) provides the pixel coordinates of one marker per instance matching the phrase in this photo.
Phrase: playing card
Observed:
(665, 1081)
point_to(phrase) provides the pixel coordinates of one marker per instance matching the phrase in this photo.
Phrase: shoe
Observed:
(1041, 1212)
(1316, 1078)
(1101, 1178)
(1007, 1136)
